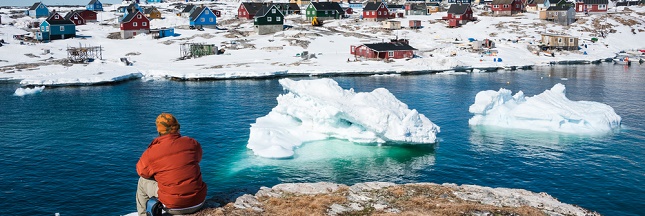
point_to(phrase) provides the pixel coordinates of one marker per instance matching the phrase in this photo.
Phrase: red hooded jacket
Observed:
(173, 161)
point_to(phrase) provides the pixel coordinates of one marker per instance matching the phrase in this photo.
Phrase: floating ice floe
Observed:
(27, 91)
(315, 110)
(548, 111)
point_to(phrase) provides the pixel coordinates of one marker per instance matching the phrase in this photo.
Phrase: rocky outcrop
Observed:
(384, 198)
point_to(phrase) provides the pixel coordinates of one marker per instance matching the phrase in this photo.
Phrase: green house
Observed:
(269, 19)
(268, 15)
(324, 10)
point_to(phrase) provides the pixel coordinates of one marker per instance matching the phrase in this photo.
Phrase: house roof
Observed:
(458, 8)
(558, 8)
(129, 17)
(69, 14)
(52, 21)
(188, 8)
(252, 7)
(587, 2)
(149, 10)
(288, 6)
(196, 13)
(502, 2)
(418, 6)
(381, 47)
(94, 2)
(323, 6)
(265, 9)
(33, 7)
(371, 6)
(395, 6)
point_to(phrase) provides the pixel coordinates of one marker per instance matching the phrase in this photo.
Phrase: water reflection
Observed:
(524, 143)
(343, 162)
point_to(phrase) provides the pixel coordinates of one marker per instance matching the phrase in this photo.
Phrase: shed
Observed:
(563, 42)
(415, 24)
(391, 24)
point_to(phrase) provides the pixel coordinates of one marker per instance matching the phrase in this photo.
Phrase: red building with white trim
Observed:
(133, 24)
(375, 11)
(397, 49)
(592, 6)
(506, 7)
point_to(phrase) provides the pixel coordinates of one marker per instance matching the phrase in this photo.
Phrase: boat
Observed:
(622, 61)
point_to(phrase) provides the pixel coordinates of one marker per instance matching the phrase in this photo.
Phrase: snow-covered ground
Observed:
(250, 55)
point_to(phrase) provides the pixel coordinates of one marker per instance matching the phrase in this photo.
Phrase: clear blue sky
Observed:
(52, 2)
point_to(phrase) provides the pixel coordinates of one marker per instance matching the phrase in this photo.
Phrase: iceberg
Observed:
(314, 110)
(27, 91)
(549, 111)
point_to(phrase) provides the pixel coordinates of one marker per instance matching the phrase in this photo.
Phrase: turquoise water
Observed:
(73, 150)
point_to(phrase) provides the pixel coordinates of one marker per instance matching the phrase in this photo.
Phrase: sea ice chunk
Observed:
(320, 109)
(548, 111)
(27, 91)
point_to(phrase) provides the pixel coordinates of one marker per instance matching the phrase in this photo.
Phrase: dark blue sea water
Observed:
(73, 150)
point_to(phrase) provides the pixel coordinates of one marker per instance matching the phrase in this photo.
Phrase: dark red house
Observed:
(459, 14)
(88, 15)
(592, 6)
(133, 24)
(396, 49)
(248, 9)
(506, 7)
(375, 11)
(217, 13)
(76, 18)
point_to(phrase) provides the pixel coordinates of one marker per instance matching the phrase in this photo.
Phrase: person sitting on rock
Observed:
(169, 170)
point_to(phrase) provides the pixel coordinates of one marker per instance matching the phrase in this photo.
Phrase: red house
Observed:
(248, 10)
(133, 24)
(459, 14)
(592, 6)
(88, 15)
(396, 49)
(217, 13)
(375, 11)
(76, 18)
(506, 7)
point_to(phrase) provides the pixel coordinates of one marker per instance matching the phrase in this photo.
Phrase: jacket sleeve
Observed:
(143, 166)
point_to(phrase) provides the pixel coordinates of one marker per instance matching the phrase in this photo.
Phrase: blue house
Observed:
(94, 5)
(56, 27)
(38, 10)
(131, 8)
(202, 16)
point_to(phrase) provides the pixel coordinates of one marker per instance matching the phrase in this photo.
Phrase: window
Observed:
(272, 10)
(602, 6)
(333, 12)
(277, 19)
(56, 17)
(457, 16)
(202, 19)
(326, 12)
(144, 24)
(505, 6)
(46, 28)
(62, 28)
(139, 16)
(379, 13)
(41, 6)
(559, 40)
(134, 24)
(269, 19)
(570, 40)
(210, 19)
(373, 12)
(495, 6)
(42, 28)
(390, 53)
(206, 12)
